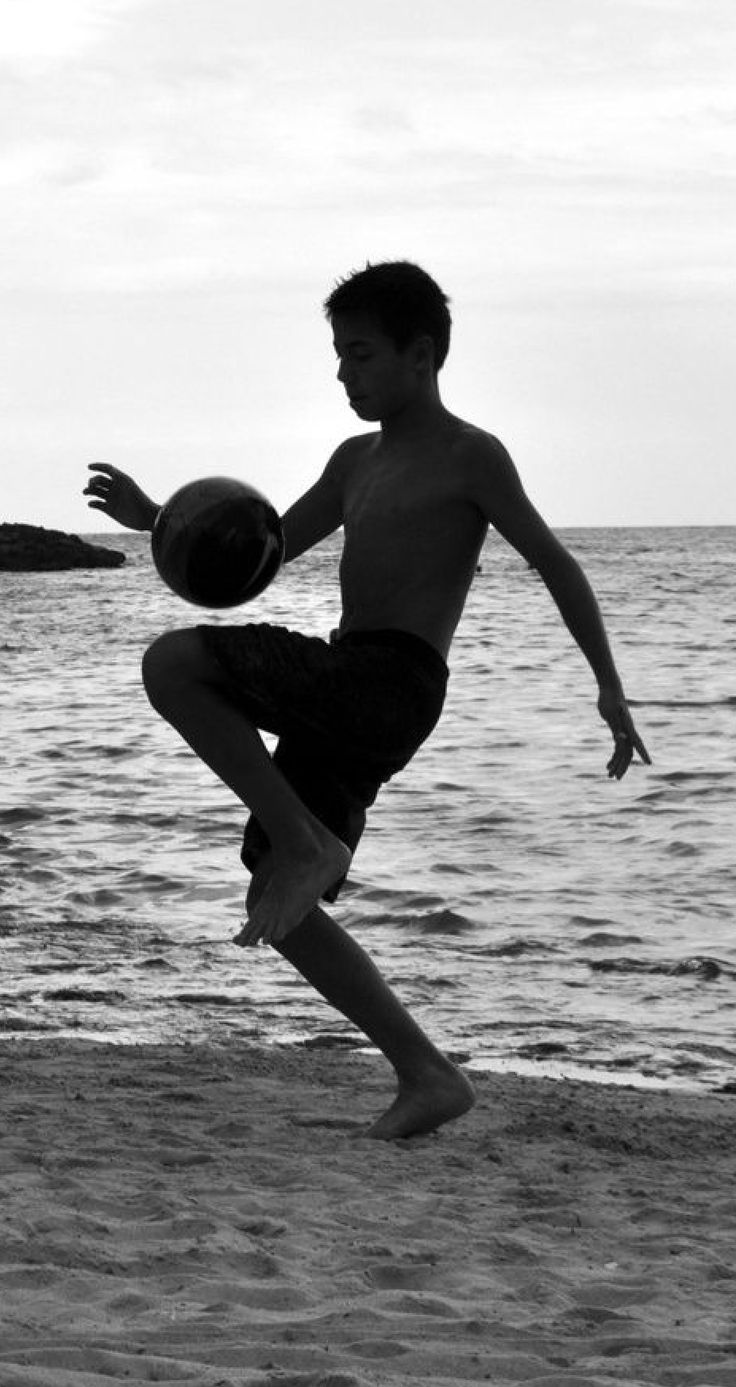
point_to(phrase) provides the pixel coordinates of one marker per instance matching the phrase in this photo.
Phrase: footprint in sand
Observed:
(608, 1295)
(334, 1124)
(398, 1276)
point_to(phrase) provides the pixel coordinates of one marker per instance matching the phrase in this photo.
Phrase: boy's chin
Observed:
(365, 410)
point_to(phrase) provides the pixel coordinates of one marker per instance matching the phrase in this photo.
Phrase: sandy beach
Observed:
(214, 1216)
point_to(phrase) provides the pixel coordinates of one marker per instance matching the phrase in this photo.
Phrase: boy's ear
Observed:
(424, 352)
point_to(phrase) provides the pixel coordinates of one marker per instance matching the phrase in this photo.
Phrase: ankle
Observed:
(417, 1071)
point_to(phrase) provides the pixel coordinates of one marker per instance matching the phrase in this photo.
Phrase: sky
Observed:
(183, 181)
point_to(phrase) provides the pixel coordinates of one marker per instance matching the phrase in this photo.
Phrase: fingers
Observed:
(625, 744)
(622, 756)
(641, 749)
(614, 710)
(100, 486)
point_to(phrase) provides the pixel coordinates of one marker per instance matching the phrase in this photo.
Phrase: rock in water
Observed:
(33, 549)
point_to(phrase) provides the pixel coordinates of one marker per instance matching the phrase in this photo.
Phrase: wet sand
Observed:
(207, 1215)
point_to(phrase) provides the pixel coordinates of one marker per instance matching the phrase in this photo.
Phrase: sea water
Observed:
(532, 913)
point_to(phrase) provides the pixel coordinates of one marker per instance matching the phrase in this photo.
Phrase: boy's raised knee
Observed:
(173, 662)
(156, 666)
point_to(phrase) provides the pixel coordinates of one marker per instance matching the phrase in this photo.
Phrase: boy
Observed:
(415, 499)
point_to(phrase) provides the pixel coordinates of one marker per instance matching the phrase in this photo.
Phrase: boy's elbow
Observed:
(551, 559)
(557, 567)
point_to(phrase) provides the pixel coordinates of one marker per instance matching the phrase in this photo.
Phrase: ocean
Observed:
(534, 915)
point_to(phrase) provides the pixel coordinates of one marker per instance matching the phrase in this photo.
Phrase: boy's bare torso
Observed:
(412, 531)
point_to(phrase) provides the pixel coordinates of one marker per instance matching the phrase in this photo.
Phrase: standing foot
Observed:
(292, 888)
(439, 1096)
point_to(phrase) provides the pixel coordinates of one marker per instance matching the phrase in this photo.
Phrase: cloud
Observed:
(380, 121)
(40, 33)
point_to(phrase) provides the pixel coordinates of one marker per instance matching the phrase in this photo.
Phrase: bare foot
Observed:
(292, 889)
(422, 1106)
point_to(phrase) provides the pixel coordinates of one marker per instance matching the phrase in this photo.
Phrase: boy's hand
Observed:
(120, 497)
(614, 710)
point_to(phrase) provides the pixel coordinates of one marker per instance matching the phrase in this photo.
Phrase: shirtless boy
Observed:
(415, 499)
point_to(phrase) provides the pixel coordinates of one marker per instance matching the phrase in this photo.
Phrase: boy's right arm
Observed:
(120, 497)
(318, 513)
(310, 519)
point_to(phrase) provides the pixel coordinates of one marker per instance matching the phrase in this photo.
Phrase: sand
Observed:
(207, 1215)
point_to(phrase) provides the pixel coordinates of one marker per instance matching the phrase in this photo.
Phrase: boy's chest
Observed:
(379, 494)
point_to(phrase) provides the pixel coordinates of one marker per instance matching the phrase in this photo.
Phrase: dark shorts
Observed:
(348, 714)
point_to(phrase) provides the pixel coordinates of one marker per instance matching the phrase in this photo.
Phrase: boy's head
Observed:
(405, 300)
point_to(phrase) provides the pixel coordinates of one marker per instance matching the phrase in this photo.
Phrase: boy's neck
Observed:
(418, 418)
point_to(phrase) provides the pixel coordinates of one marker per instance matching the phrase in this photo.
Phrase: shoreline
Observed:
(211, 1214)
(547, 1070)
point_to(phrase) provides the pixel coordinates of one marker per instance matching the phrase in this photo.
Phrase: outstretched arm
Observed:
(509, 510)
(118, 496)
(314, 516)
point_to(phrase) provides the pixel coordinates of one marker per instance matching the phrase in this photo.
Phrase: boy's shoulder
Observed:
(477, 442)
(350, 451)
(480, 454)
(357, 445)
(487, 474)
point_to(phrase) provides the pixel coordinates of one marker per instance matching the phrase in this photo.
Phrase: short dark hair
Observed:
(405, 299)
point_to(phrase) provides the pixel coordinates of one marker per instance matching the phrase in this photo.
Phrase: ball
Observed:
(217, 542)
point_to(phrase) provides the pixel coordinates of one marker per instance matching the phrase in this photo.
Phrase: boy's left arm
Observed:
(509, 510)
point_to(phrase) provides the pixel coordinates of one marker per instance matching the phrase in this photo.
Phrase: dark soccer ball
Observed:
(217, 542)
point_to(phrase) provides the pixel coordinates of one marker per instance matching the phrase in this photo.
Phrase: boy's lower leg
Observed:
(432, 1090)
(185, 686)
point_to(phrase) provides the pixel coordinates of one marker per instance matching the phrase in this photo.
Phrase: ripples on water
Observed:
(531, 912)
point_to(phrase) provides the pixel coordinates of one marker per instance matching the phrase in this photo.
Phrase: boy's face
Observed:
(379, 379)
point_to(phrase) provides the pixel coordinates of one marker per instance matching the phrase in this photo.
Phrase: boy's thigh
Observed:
(371, 703)
(276, 676)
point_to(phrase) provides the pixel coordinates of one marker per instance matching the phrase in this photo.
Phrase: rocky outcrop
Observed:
(32, 549)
